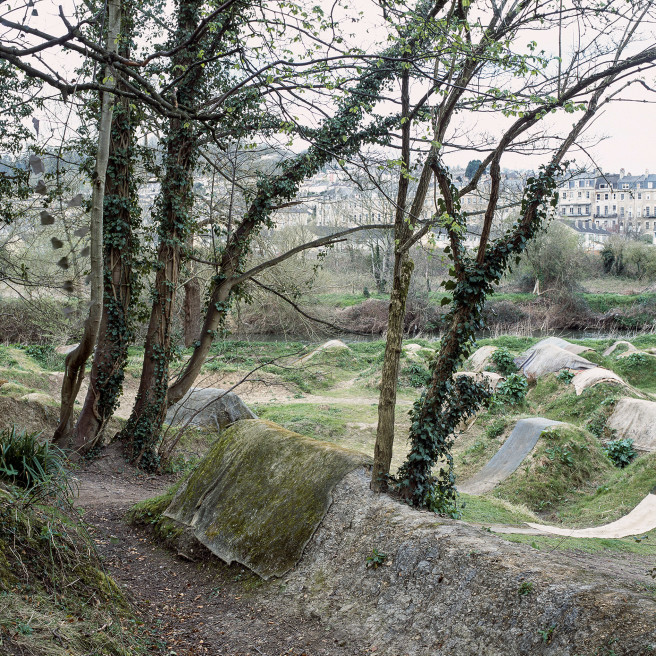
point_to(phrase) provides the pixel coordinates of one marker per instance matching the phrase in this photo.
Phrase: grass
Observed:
(567, 463)
(53, 583)
(341, 424)
(646, 546)
(489, 510)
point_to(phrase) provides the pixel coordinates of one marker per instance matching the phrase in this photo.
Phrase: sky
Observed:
(622, 136)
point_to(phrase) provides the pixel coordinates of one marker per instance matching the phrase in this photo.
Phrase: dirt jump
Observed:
(505, 461)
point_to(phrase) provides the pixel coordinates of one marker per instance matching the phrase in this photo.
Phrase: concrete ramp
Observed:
(505, 461)
(641, 519)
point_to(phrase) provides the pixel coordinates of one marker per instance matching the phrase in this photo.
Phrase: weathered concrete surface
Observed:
(489, 377)
(481, 358)
(641, 519)
(448, 589)
(596, 376)
(576, 349)
(208, 407)
(417, 352)
(505, 461)
(635, 419)
(542, 360)
(259, 494)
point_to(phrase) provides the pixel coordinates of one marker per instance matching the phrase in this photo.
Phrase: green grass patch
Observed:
(566, 464)
(321, 422)
(645, 547)
(490, 510)
(619, 493)
(346, 300)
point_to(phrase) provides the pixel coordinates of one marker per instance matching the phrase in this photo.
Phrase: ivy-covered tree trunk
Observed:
(121, 219)
(447, 401)
(76, 360)
(390, 373)
(175, 203)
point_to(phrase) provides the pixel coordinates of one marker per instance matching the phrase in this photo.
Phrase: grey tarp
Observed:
(260, 493)
(210, 407)
(505, 461)
(635, 419)
(546, 359)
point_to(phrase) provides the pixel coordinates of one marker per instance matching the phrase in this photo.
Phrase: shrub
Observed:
(565, 375)
(45, 356)
(513, 390)
(504, 362)
(621, 452)
(496, 428)
(418, 375)
(28, 463)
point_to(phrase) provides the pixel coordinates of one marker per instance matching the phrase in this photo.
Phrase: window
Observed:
(597, 210)
(579, 208)
(646, 225)
(571, 209)
(606, 210)
(587, 194)
(650, 185)
(614, 209)
(579, 195)
(621, 196)
(639, 195)
(605, 196)
(598, 196)
(564, 211)
(638, 185)
(622, 212)
(602, 185)
(564, 195)
(571, 184)
(638, 214)
(625, 186)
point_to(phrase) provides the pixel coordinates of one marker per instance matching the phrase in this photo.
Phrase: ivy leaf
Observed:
(41, 188)
(68, 286)
(85, 251)
(56, 243)
(81, 232)
(63, 263)
(445, 301)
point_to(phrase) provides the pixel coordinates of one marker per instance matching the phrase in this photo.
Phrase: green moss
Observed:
(260, 493)
(567, 463)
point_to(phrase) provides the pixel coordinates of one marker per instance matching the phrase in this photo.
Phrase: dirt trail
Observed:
(191, 607)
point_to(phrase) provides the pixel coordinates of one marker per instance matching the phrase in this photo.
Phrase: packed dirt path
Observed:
(189, 608)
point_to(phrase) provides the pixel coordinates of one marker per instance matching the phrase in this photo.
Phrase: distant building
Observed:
(618, 203)
(591, 236)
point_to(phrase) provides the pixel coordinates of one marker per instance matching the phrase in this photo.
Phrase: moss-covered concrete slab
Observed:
(260, 494)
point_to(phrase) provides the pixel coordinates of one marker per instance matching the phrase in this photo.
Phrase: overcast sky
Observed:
(623, 136)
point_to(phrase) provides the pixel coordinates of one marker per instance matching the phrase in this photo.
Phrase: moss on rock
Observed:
(260, 493)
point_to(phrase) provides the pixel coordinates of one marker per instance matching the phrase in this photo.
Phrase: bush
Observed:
(504, 362)
(513, 390)
(418, 375)
(496, 428)
(28, 463)
(621, 452)
(565, 375)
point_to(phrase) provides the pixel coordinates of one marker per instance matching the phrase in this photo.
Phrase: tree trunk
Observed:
(175, 203)
(77, 359)
(192, 306)
(390, 374)
(121, 216)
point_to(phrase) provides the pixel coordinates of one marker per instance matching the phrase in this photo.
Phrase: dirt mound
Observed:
(28, 415)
